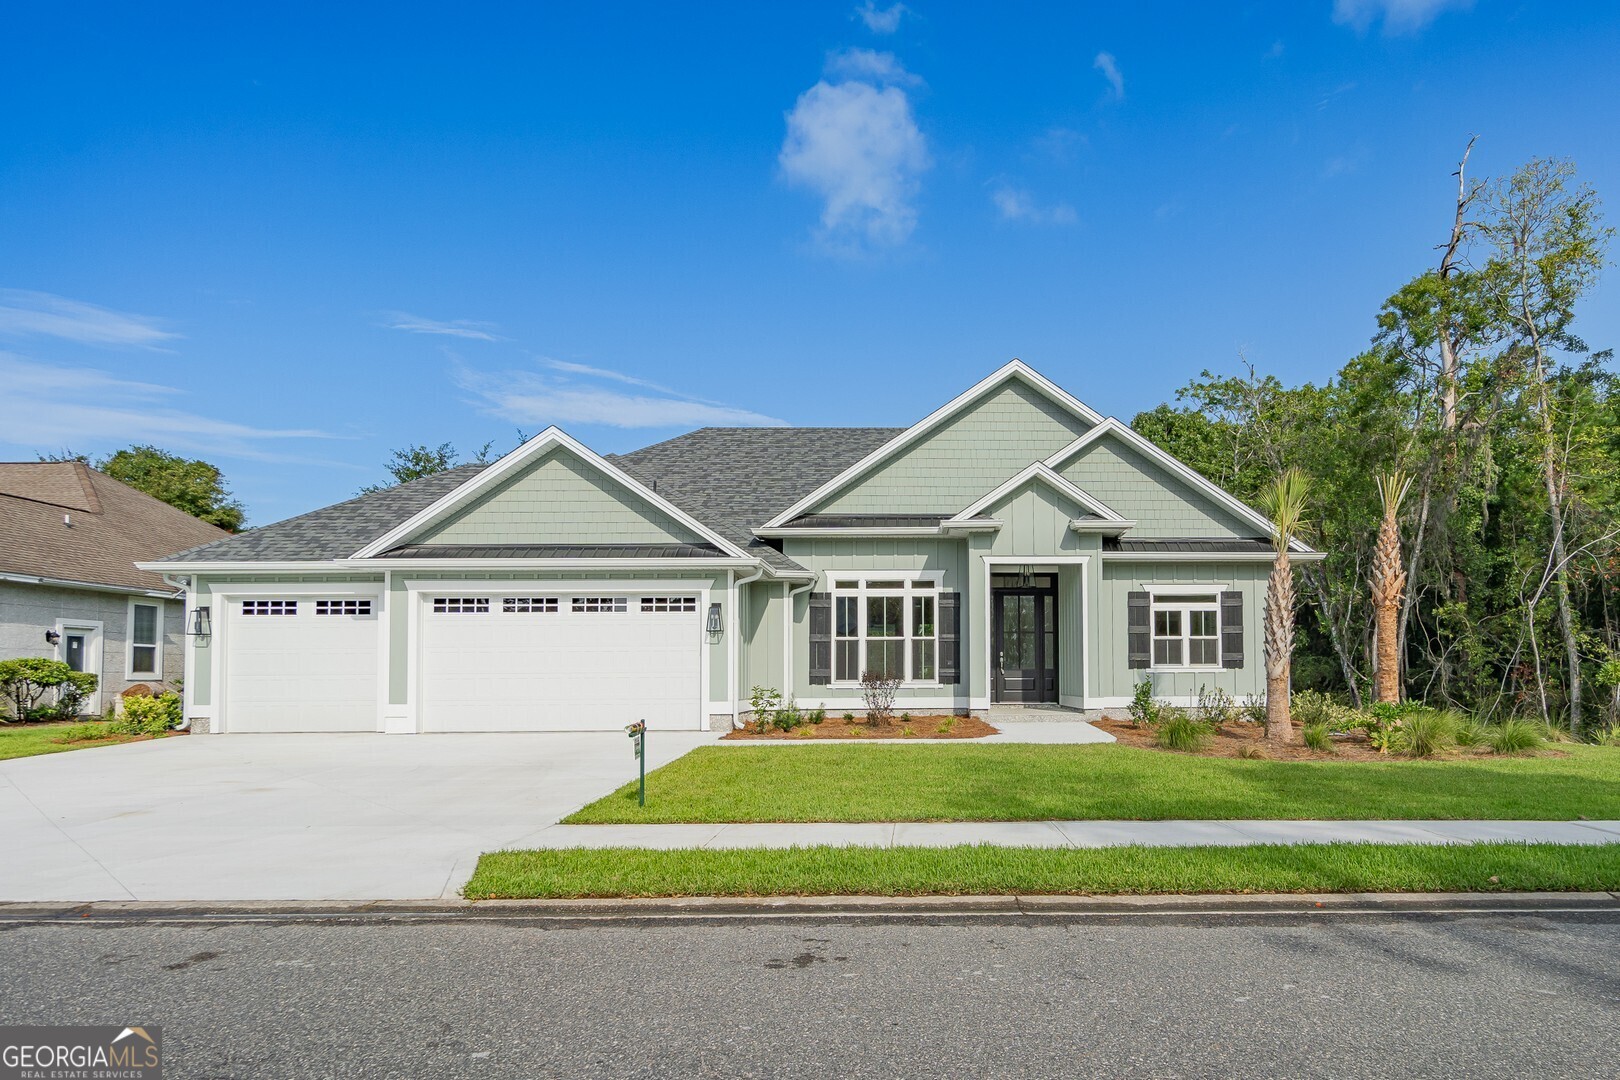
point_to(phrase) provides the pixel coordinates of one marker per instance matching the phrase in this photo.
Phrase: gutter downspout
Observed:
(183, 586)
(735, 652)
(787, 633)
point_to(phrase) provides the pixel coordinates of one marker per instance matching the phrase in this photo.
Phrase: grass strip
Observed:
(571, 873)
(1011, 782)
(30, 740)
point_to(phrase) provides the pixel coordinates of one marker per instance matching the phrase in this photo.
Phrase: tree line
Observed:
(1490, 430)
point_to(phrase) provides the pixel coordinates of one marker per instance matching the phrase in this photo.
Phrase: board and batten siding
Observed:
(831, 558)
(1115, 679)
(559, 499)
(966, 456)
(763, 633)
(1161, 503)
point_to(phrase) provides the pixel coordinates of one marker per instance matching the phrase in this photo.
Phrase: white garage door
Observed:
(529, 661)
(301, 664)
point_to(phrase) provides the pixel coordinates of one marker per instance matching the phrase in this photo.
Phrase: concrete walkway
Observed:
(1074, 834)
(1050, 732)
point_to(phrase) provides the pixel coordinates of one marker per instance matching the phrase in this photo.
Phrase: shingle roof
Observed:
(736, 479)
(110, 526)
(731, 479)
(333, 532)
(1189, 544)
(554, 551)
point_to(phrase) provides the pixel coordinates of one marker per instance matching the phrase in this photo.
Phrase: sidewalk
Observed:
(1076, 834)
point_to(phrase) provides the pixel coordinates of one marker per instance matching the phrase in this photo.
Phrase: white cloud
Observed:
(1061, 144)
(1275, 52)
(857, 145)
(1015, 204)
(1109, 67)
(870, 66)
(461, 328)
(530, 397)
(881, 20)
(24, 313)
(1399, 16)
(48, 405)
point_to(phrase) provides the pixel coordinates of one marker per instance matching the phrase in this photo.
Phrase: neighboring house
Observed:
(1012, 547)
(69, 588)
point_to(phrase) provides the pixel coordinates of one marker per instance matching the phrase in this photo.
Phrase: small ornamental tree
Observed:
(878, 690)
(36, 688)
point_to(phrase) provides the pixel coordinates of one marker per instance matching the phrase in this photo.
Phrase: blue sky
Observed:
(292, 239)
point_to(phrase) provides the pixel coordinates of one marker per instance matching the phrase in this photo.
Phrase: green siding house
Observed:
(1014, 547)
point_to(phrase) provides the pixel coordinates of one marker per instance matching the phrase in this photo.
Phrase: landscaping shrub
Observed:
(849, 718)
(1144, 710)
(1311, 707)
(878, 690)
(36, 688)
(148, 716)
(1254, 708)
(1217, 707)
(1426, 733)
(1609, 736)
(816, 715)
(946, 725)
(787, 717)
(1178, 731)
(764, 701)
(1515, 736)
(1318, 737)
(1252, 752)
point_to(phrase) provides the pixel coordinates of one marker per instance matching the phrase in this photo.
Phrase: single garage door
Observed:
(523, 661)
(301, 664)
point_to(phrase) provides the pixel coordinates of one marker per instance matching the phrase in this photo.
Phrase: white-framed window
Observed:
(145, 640)
(461, 605)
(671, 604)
(886, 624)
(1187, 631)
(270, 607)
(343, 607)
(600, 605)
(529, 605)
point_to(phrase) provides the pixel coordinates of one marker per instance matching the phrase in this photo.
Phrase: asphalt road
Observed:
(1526, 995)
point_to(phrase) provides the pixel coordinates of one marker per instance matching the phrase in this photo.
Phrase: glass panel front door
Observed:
(1025, 647)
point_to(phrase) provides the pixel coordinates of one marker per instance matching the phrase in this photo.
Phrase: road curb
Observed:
(826, 907)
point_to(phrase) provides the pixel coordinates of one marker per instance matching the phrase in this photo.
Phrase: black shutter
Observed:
(1138, 630)
(950, 641)
(820, 638)
(1231, 629)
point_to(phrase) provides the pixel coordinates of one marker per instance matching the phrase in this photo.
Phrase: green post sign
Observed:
(638, 736)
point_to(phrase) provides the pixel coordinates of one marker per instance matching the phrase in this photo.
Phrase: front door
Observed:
(1024, 639)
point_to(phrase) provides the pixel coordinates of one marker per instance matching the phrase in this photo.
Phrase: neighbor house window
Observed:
(144, 650)
(1186, 632)
(884, 625)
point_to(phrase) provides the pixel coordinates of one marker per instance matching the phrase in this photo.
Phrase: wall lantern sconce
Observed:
(714, 627)
(1026, 577)
(52, 637)
(199, 623)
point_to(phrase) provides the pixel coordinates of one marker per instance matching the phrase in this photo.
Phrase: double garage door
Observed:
(518, 659)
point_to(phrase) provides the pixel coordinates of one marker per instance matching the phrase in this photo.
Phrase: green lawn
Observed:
(1010, 782)
(968, 871)
(27, 740)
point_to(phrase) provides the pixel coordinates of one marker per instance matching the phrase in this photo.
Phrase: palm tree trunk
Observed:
(1280, 650)
(1388, 582)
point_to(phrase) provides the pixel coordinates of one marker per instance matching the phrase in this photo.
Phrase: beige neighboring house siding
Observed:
(964, 457)
(559, 499)
(27, 611)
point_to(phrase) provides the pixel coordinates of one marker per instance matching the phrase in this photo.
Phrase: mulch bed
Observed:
(1230, 739)
(836, 727)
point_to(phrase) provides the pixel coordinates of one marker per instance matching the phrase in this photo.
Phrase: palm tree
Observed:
(1284, 503)
(1389, 584)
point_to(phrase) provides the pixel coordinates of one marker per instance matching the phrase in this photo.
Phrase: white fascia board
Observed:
(1037, 470)
(92, 586)
(1197, 479)
(377, 566)
(833, 533)
(1013, 369)
(1107, 528)
(1210, 556)
(548, 439)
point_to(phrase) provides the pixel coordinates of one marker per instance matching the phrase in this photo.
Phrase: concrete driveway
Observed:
(294, 817)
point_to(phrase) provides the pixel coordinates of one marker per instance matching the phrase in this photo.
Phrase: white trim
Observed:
(1109, 527)
(94, 632)
(380, 566)
(935, 579)
(1175, 465)
(1188, 589)
(1037, 470)
(1185, 637)
(130, 674)
(1059, 561)
(834, 532)
(1210, 556)
(1185, 701)
(1011, 370)
(548, 439)
(91, 586)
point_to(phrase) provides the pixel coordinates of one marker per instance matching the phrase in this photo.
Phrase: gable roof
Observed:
(109, 527)
(1041, 473)
(1015, 369)
(735, 479)
(510, 466)
(332, 532)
